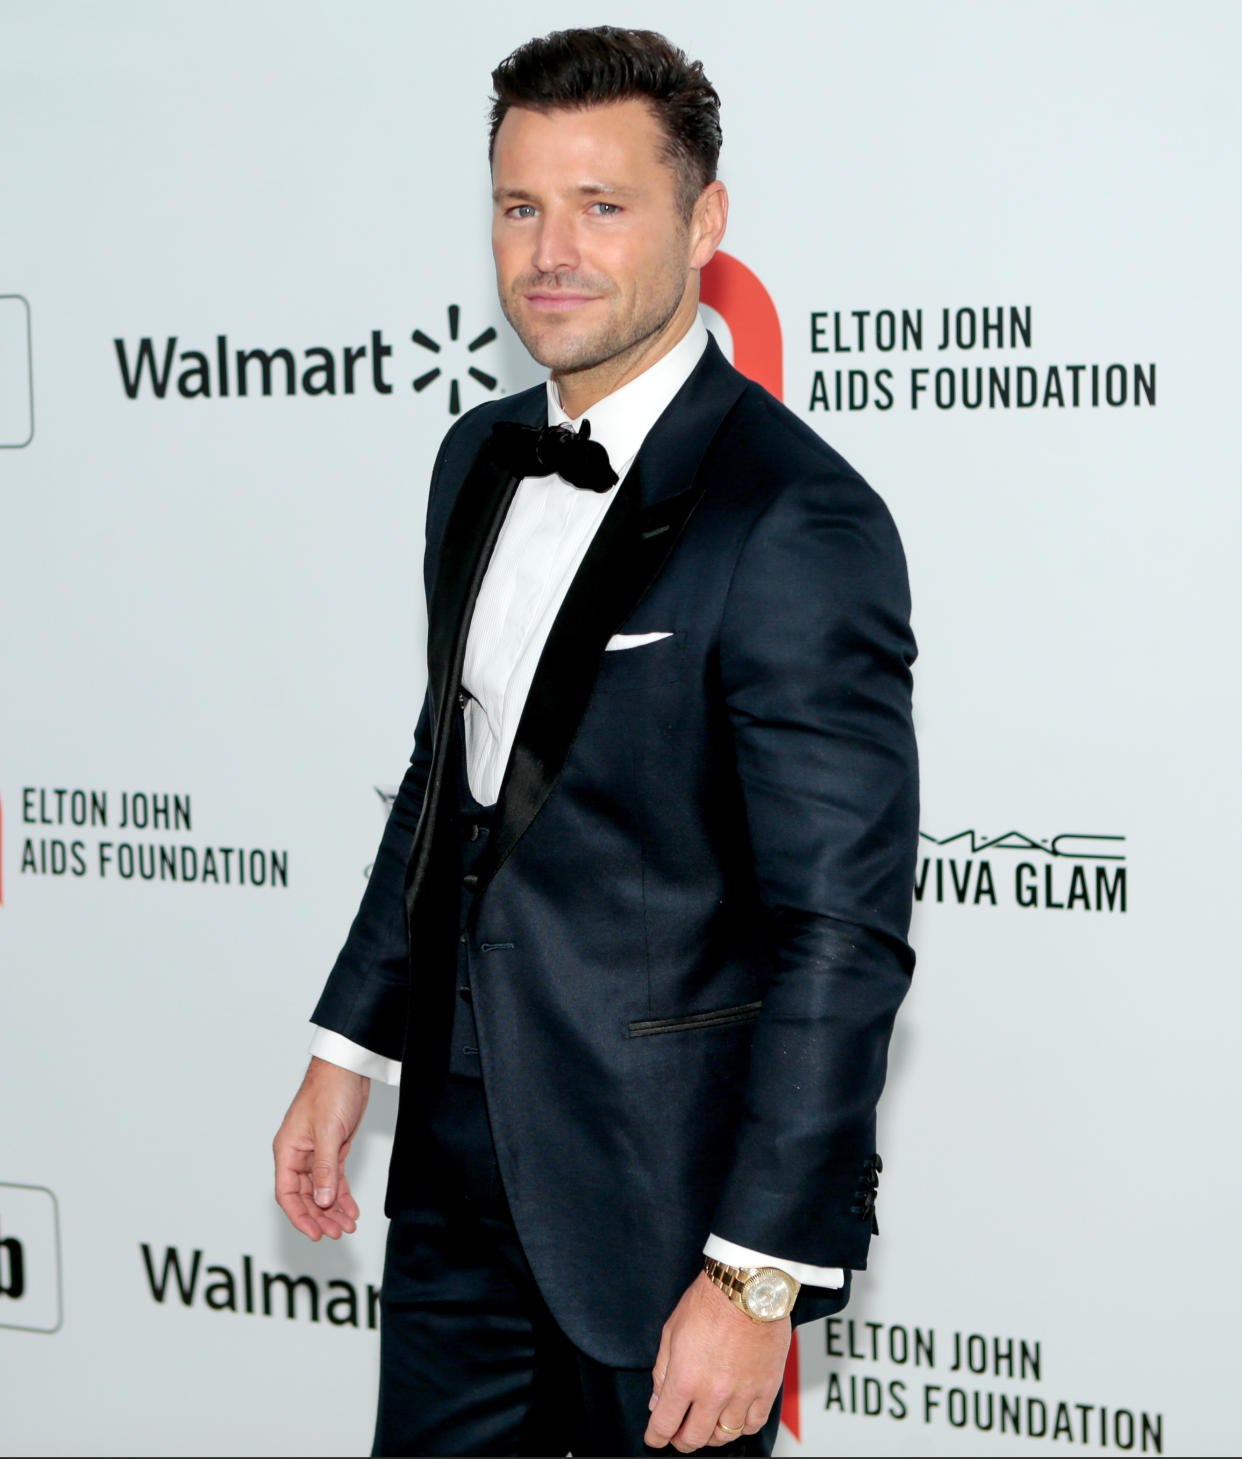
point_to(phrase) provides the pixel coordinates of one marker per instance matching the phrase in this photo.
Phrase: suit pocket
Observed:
(632, 669)
(716, 1018)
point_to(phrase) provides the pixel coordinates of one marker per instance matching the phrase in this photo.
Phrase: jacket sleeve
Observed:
(815, 662)
(366, 997)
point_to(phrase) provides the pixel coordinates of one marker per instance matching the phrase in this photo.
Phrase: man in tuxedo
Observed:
(635, 934)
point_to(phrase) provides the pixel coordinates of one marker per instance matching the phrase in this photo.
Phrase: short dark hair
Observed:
(572, 69)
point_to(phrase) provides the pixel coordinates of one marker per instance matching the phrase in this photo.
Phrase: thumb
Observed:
(326, 1168)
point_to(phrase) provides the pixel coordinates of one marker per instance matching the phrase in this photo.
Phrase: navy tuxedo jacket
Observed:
(687, 942)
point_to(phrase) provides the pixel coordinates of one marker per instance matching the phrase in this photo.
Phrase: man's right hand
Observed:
(310, 1150)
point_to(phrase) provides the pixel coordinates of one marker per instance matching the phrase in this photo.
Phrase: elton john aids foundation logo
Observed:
(739, 297)
(29, 1259)
(16, 389)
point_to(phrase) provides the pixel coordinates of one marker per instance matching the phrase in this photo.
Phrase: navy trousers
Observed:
(471, 1360)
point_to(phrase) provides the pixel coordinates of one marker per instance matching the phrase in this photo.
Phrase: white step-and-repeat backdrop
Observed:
(990, 251)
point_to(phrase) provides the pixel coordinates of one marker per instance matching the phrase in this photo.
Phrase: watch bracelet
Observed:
(732, 1282)
(728, 1278)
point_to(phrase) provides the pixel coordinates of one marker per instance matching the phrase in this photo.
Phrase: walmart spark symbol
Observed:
(426, 342)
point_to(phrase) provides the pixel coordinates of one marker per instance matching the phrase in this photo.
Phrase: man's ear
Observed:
(707, 223)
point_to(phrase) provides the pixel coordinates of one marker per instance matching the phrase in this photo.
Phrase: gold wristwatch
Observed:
(764, 1293)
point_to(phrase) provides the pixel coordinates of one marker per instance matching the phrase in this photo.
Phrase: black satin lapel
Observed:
(630, 547)
(469, 539)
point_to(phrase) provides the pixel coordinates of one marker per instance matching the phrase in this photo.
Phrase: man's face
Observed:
(592, 254)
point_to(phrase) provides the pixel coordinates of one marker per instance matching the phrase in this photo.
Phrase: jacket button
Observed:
(465, 995)
(470, 882)
(461, 937)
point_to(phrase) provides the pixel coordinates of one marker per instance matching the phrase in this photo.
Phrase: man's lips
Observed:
(559, 302)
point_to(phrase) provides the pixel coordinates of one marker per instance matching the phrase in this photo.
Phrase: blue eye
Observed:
(606, 210)
(523, 210)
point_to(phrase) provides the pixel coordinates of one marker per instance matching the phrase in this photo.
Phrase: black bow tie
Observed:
(553, 451)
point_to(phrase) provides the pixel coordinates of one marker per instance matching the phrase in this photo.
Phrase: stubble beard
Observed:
(611, 340)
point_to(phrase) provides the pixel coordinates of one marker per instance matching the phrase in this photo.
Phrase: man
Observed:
(635, 935)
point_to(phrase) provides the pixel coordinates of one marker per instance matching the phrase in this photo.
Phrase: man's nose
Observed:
(556, 246)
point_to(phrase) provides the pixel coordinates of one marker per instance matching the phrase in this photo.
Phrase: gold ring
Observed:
(720, 1424)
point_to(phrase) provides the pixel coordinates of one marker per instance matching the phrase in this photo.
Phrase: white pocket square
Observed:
(633, 640)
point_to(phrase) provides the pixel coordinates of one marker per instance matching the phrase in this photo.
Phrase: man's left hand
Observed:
(717, 1373)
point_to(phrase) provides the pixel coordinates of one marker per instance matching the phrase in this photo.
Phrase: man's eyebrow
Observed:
(586, 190)
(604, 189)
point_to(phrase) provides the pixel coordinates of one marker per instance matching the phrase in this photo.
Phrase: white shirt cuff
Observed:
(336, 1049)
(810, 1276)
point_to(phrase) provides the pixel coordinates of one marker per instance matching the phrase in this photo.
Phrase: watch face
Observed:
(768, 1295)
